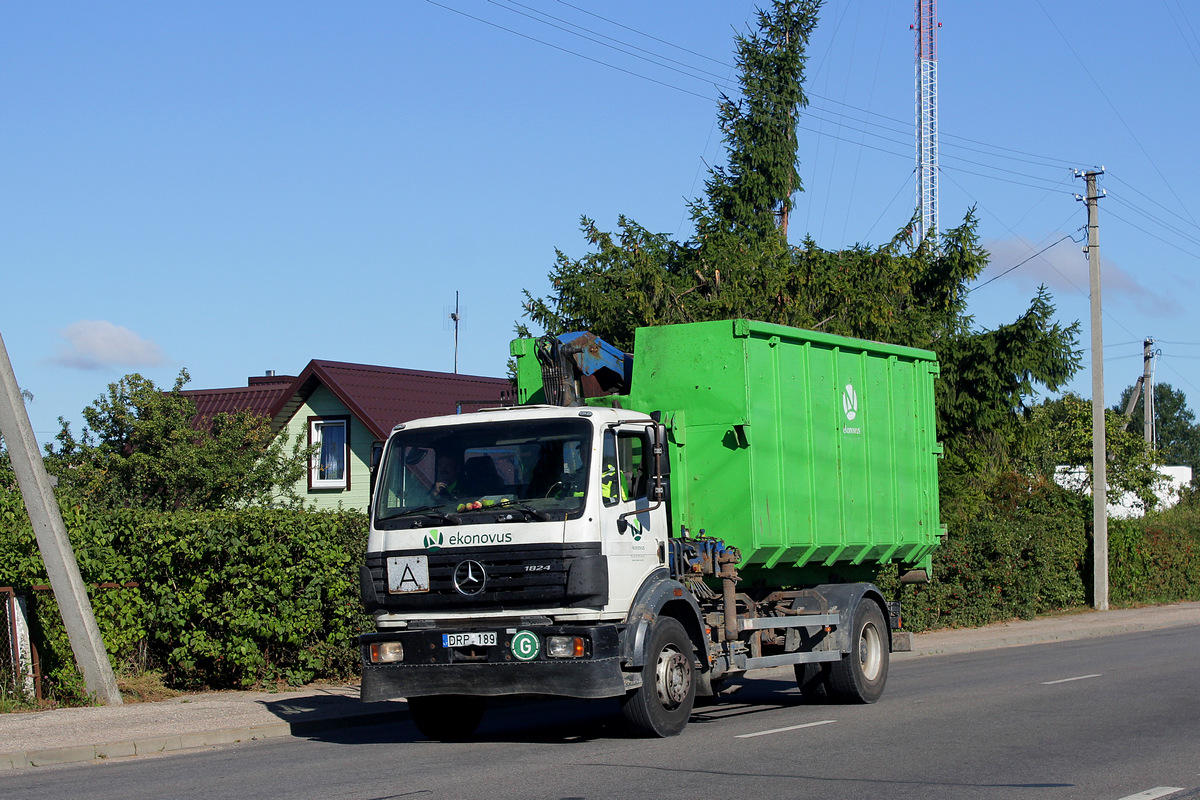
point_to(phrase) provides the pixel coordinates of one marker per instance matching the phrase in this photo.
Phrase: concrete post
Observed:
(61, 567)
(1099, 445)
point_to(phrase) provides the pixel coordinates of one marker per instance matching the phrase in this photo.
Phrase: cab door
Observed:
(633, 532)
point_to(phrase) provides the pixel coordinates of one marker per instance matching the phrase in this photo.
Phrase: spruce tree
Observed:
(739, 264)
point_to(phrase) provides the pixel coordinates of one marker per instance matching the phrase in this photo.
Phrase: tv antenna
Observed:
(453, 319)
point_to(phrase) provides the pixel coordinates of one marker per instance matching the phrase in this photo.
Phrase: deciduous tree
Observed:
(141, 447)
(1177, 436)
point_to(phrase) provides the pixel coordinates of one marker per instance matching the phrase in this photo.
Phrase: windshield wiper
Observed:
(540, 516)
(429, 511)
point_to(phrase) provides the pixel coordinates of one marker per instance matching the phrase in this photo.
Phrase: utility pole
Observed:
(1099, 446)
(61, 567)
(1134, 396)
(1148, 382)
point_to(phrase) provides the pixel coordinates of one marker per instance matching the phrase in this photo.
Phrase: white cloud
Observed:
(95, 344)
(1064, 268)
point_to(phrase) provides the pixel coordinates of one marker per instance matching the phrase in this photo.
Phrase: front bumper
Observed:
(430, 668)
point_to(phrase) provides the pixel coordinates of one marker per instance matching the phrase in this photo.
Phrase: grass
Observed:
(144, 687)
(11, 700)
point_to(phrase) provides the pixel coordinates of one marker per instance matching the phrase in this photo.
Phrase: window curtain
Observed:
(333, 451)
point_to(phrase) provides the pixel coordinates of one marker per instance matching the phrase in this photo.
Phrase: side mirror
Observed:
(376, 457)
(662, 464)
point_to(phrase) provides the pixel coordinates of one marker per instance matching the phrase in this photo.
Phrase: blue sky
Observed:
(238, 187)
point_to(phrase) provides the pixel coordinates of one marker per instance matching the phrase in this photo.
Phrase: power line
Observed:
(603, 44)
(723, 83)
(903, 185)
(1152, 235)
(647, 35)
(571, 52)
(1167, 364)
(1111, 105)
(994, 177)
(1163, 224)
(1179, 28)
(871, 124)
(1021, 263)
(1145, 196)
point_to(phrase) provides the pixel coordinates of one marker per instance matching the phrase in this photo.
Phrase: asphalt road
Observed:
(1101, 719)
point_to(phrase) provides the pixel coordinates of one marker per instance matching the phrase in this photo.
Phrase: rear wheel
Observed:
(447, 717)
(813, 682)
(861, 674)
(663, 703)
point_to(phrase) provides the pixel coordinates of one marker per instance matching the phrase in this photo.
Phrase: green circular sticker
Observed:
(525, 646)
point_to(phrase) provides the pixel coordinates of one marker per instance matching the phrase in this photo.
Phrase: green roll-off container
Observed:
(815, 455)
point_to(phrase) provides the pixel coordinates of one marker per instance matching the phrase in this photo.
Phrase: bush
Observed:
(1154, 559)
(224, 598)
(1020, 553)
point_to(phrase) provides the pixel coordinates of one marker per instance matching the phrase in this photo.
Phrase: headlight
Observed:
(566, 646)
(386, 652)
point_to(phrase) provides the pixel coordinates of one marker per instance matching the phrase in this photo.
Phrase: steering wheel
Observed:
(561, 488)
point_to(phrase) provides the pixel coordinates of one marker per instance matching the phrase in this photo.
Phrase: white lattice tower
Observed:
(927, 118)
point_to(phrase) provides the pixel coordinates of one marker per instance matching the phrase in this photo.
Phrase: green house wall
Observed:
(323, 403)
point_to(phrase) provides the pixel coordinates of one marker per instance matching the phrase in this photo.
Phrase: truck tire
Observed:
(447, 717)
(663, 703)
(813, 682)
(861, 674)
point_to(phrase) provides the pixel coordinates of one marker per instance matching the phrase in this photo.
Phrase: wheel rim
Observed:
(870, 652)
(673, 678)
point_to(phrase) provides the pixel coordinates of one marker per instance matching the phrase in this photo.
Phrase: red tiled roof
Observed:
(259, 399)
(381, 397)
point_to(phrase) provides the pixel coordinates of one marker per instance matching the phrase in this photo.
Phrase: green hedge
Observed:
(1154, 559)
(1027, 550)
(232, 599)
(995, 568)
(224, 598)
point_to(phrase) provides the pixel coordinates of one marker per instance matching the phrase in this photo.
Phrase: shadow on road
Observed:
(539, 720)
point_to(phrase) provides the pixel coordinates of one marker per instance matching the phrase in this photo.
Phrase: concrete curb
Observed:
(22, 759)
(970, 640)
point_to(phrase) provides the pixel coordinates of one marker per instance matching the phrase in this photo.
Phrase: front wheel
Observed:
(447, 717)
(663, 703)
(861, 674)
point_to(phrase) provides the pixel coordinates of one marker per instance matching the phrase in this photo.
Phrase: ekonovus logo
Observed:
(635, 528)
(850, 402)
(433, 540)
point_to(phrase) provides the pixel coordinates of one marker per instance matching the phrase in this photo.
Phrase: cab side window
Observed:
(624, 469)
(610, 492)
(632, 452)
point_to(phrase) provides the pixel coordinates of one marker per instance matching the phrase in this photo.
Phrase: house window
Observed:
(330, 465)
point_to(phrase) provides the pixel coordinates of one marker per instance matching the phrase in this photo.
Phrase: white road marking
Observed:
(789, 728)
(1152, 794)
(1068, 680)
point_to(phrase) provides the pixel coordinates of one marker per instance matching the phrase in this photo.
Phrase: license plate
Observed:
(469, 639)
(408, 574)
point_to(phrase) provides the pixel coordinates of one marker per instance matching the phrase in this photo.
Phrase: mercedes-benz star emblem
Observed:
(469, 577)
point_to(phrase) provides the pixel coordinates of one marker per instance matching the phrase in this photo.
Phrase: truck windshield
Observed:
(537, 467)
